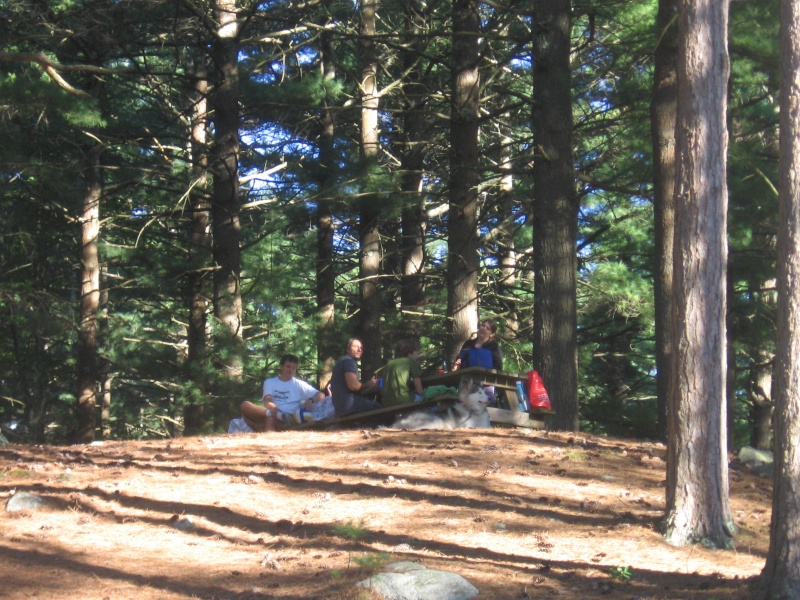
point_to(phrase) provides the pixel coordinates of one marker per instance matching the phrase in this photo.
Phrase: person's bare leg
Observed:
(256, 416)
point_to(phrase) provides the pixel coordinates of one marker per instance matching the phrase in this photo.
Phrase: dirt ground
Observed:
(298, 515)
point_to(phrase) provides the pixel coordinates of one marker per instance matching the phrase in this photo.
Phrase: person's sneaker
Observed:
(302, 415)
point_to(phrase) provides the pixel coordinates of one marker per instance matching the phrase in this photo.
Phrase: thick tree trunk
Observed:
(555, 214)
(88, 365)
(781, 575)
(225, 206)
(697, 468)
(199, 255)
(369, 205)
(327, 349)
(412, 158)
(462, 243)
(663, 110)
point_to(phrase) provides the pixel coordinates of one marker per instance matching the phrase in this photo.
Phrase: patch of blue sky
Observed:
(270, 138)
(489, 261)
(438, 252)
(522, 63)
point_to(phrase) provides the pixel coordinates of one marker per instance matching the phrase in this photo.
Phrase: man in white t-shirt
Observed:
(283, 396)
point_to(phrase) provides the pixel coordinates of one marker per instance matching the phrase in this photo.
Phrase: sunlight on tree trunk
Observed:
(462, 243)
(369, 205)
(697, 508)
(199, 253)
(87, 359)
(507, 255)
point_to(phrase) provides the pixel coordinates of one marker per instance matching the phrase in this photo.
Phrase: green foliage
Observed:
(16, 473)
(621, 573)
(351, 530)
(140, 110)
(372, 561)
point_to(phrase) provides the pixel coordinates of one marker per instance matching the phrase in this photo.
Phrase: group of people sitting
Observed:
(288, 400)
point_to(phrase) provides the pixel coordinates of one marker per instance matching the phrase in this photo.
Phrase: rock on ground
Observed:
(412, 581)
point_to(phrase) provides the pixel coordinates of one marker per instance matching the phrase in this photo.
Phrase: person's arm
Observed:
(267, 398)
(497, 358)
(316, 397)
(416, 379)
(309, 393)
(355, 385)
(459, 360)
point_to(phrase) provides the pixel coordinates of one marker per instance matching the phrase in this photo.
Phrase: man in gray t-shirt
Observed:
(346, 385)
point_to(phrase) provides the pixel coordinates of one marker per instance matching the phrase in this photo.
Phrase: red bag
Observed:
(537, 394)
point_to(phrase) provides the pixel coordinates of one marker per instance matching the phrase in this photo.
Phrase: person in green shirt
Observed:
(402, 376)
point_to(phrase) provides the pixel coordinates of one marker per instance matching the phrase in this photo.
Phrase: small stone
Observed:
(24, 501)
(184, 524)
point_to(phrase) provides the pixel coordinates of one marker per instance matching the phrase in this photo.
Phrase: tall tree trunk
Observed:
(663, 109)
(199, 254)
(462, 242)
(88, 365)
(327, 349)
(555, 214)
(781, 574)
(759, 393)
(697, 481)
(412, 157)
(369, 206)
(508, 252)
(105, 405)
(225, 205)
(731, 367)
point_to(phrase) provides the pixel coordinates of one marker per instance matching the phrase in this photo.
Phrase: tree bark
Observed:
(759, 393)
(327, 350)
(555, 214)
(225, 205)
(507, 255)
(88, 365)
(697, 468)
(781, 574)
(663, 109)
(199, 254)
(369, 206)
(412, 158)
(462, 243)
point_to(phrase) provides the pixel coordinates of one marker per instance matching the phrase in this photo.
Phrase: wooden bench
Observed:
(372, 416)
(533, 419)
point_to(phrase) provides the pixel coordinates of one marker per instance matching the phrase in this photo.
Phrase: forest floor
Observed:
(305, 515)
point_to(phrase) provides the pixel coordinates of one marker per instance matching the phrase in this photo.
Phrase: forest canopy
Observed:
(252, 178)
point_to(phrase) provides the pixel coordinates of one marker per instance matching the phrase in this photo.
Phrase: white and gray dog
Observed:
(469, 411)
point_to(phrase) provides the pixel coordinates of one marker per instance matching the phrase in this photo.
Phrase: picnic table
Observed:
(372, 416)
(504, 382)
(508, 410)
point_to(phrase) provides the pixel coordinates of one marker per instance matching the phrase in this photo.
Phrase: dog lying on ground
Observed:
(469, 411)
